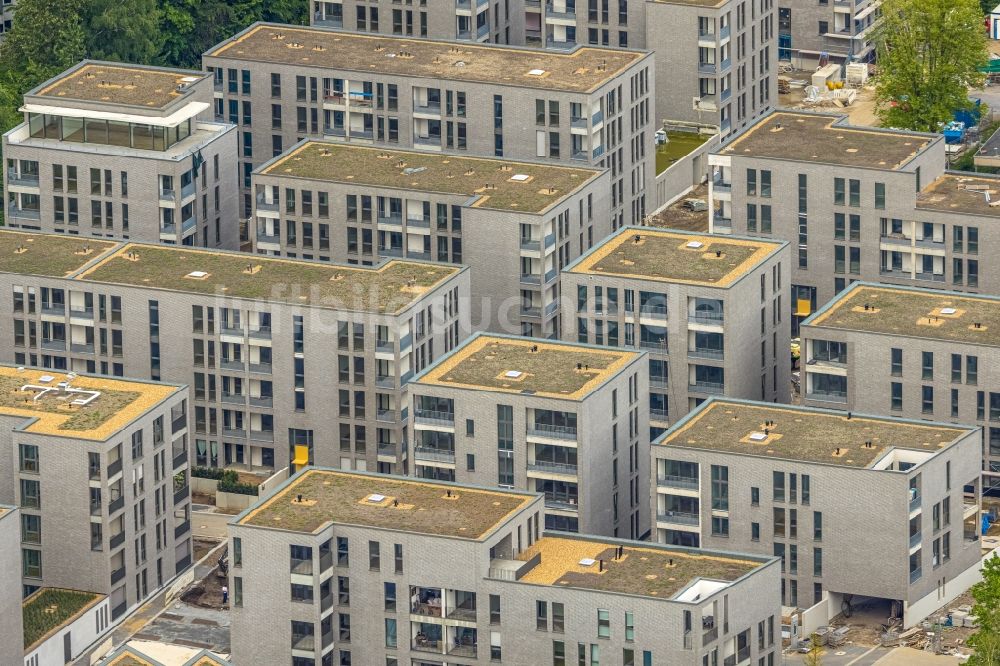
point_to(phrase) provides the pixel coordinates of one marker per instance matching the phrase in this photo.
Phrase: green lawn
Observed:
(678, 145)
(50, 608)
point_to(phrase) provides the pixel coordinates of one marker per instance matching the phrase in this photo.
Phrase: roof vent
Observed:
(588, 562)
(460, 63)
(375, 498)
(536, 72)
(519, 177)
(694, 245)
(513, 374)
(758, 436)
(197, 275)
(948, 311)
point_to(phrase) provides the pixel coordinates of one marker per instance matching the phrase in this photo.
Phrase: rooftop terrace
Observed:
(49, 609)
(582, 70)
(498, 184)
(646, 571)
(813, 138)
(675, 257)
(919, 313)
(109, 83)
(952, 193)
(48, 255)
(519, 365)
(387, 502)
(388, 288)
(800, 434)
(93, 407)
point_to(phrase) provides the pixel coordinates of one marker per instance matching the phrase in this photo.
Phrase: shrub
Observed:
(230, 483)
(215, 473)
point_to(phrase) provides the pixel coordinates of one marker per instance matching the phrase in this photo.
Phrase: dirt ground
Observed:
(202, 547)
(206, 593)
(862, 112)
(678, 217)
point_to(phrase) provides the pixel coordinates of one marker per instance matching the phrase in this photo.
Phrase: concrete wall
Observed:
(684, 175)
(11, 629)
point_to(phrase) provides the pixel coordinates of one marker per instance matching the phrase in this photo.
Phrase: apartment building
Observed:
(11, 625)
(897, 216)
(727, 47)
(101, 509)
(515, 224)
(126, 152)
(915, 353)
(860, 509)
(288, 361)
(843, 30)
(711, 304)
(469, 576)
(588, 107)
(565, 420)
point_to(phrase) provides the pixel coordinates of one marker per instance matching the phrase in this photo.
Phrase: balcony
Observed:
(597, 118)
(915, 575)
(706, 68)
(653, 311)
(117, 575)
(262, 435)
(465, 5)
(531, 245)
(678, 518)
(896, 239)
(707, 353)
(915, 502)
(567, 14)
(385, 381)
(566, 469)
(561, 504)
(577, 122)
(828, 396)
(392, 219)
(182, 529)
(930, 277)
(53, 345)
(360, 133)
(114, 468)
(706, 317)
(659, 381)
(432, 140)
(233, 398)
(234, 433)
(181, 495)
(116, 540)
(428, 109)
(321, 21)
(230, 364)
(552, 43)
(265, 401)
(385, 415)
(657, 414)
(58, 309)
(259, 368)
(260, 333)
(530, 279)
(654, 345)
(915, 540)
(334, 131)
(681, 482)
(530, 311)
(552, 431)
(116, 505)
(467, 651)
(180, 458)
(23, 213)
(708, 387)
(431, 417)
(22, 179)
(183, 563)
(434, 455)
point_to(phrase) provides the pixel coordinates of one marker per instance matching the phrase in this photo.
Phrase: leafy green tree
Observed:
(813, 657)
(123, 30)
(987, 6)
(986, 641)
(929, 52)
(46, 37)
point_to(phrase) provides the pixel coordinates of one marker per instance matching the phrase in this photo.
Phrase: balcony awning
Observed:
(301, 455)
(177, 117)
(803, 307)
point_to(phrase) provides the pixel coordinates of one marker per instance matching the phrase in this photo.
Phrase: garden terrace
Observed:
(148, 87)
(649, 571)
(641, 252)
(407, 506)
(388, 288)
(524, 365)
(961, 194)
(49, 609)
(805, 137)
(58, 413)
(902, 311)
(802, 434)
(49, 255)
(496, 184)
(582, 69)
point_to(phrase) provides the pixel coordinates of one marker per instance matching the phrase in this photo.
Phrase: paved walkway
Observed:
(138, 620)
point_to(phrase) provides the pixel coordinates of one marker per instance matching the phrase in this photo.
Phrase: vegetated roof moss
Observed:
(675, 256)
(498, 184)
(153, 88)
(647, 571)
(803, 434)
(546, 368)
(914, 312)
(409, 506)
(50, 608)
(388, 288)
(50, 255)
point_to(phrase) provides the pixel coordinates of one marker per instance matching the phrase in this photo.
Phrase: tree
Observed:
(46, 38)
(987, 6)
(123, 30)
(812, 657)
(986, 641)
(929, 53)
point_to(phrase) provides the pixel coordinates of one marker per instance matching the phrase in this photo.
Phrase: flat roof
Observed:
(802, 434)
(914, 313)
(497, 184)
(581, 70)
(51, 608)
(675, 256)
(649, 571)
(387, 288)
(76, 412)
(824, 139)
(111, 83)
(960, 193)
(389, 502)
(50, 255)
(692, 3)
(527, 365)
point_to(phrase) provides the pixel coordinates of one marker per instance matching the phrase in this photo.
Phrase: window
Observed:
(542, 615)
(927, 366)
(880, 196)
(778, 480)
(720, 487)
(374, 557)
(817, 562)
(896, 363)
(755, 531)
(28, 454)
(817, 525)
(558, 617)
(927, 399)
(629, 626)
(755, 496)
(603, 623)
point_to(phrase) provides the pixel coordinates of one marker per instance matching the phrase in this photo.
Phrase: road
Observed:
(846, 655)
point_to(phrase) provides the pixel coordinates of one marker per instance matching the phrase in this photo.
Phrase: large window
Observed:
(108, 132)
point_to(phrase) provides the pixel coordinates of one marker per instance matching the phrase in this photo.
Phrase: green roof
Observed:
(51, 608)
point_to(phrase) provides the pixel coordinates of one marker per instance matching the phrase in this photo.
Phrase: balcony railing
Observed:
(706, 352)
(569, 469)
(266, 402)
(674, 481)
(117, 575)
(658, 414)
(259, 368)
(432, 417)
(23, 179)
(262, 435)
(915, 503)
(829, 395)
(915, 575)
(180, 459)
(181, 495)
(660, 381)
(678, 518)
(116, 540)
(552, 431)
(182, 529)
(708, 387)
(915, 539)
(23, 213)
(706, 317)
(116, 506)
(434, 455)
